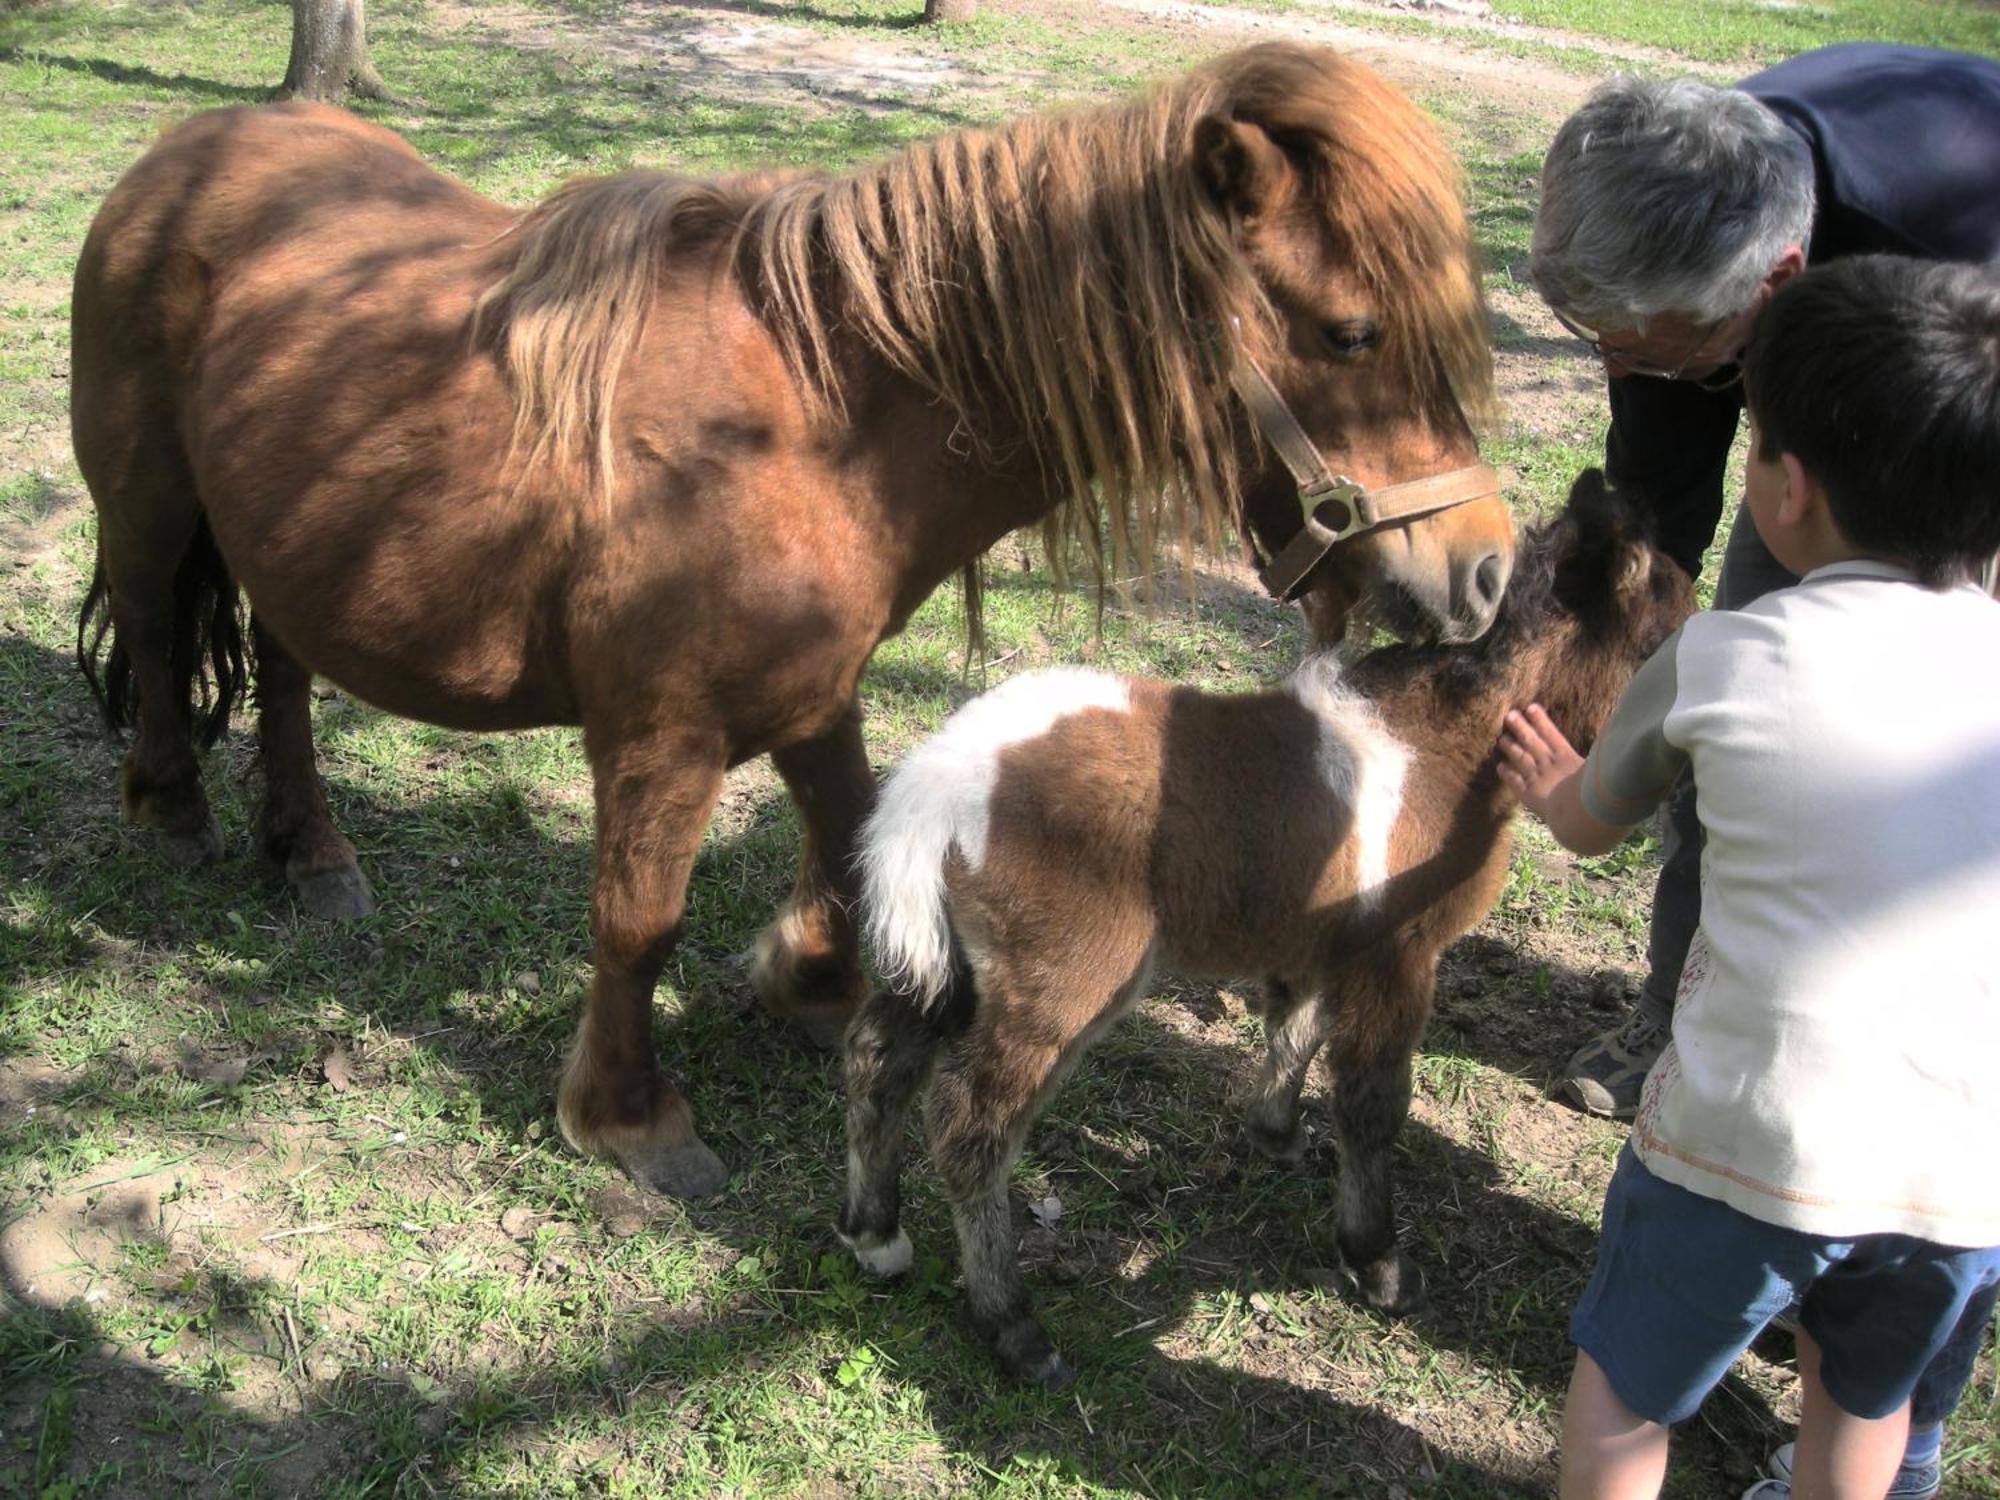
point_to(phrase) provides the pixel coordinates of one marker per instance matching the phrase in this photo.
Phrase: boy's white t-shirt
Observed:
(1835, 1064)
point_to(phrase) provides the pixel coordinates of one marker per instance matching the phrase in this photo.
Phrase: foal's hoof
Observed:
(1053, 1374)
(1280, 1145)
(882, 1259)
(338, 895)
(690, 1171)
(1025, 1352)
(1392, 1285)
(191, 850)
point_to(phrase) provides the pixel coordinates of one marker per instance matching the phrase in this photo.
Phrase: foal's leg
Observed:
(986, 1094)
(991, 1083)
(889, 1050)
(1295, 1027)
(1373, 1039)
(654, 796)
(295, 831)
(808, 961)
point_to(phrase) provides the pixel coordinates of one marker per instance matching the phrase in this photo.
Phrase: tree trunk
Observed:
(950, 10)
(329, 52)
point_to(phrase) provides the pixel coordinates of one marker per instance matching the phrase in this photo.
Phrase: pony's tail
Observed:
(207, 661)
(904, 846)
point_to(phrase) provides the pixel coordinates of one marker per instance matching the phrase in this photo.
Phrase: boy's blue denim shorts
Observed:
(1684, 1283)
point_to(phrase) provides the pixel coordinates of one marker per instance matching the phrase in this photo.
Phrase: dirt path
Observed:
(741, 52)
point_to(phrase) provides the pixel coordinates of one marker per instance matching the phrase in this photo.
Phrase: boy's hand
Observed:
(1535, 758)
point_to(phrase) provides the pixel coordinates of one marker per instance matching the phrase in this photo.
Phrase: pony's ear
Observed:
(1240, 165)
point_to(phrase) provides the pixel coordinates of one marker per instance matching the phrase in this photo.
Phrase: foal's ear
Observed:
(1635, 568)
(1240, 165)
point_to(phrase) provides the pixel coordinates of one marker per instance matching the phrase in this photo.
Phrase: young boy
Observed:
(1822, 1126)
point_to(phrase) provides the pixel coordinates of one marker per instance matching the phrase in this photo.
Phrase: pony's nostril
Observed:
(1488, 579)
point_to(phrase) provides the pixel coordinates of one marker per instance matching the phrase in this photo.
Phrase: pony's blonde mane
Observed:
(1068, 277)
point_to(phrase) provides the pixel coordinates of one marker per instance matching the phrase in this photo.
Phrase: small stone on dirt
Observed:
(518, 1223)
(338, 1070)
(528, 982)
(216, 1072)
(623, 1212)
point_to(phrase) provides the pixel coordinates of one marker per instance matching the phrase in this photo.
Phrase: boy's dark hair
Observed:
(1881, 374)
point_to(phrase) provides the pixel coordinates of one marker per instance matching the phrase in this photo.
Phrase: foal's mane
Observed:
(1067, 272)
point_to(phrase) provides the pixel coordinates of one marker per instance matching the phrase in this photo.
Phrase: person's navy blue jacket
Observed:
(1906, 144)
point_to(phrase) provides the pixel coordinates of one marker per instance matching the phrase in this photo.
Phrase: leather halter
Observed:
(1355, 507)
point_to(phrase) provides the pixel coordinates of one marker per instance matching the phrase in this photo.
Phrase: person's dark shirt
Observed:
(1906, 147)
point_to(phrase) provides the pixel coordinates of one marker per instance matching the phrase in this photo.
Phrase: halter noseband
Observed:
(1360, 509)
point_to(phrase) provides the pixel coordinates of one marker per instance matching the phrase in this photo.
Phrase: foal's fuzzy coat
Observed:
(1027, 867)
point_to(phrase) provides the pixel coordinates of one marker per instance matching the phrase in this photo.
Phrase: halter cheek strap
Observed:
(1335, 507)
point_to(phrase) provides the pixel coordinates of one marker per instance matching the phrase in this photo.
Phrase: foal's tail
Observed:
(206, 658)
(904, 847)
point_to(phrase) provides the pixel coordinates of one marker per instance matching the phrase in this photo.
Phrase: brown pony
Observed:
(667, 459)
(1028, 866)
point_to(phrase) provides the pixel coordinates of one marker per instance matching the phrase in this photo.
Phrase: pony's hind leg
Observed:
(654, 796)
(889, 1050)
(296, 835)
(807, 967)
(1372, 1043)
(1295, 1026)
(166, 587)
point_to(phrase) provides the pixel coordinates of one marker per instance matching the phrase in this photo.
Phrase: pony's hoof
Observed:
(690, 1171)
(191, 851)
(341, 894)
(818, 994)
(824, 1026)
(1286, 1146)
(1392, 1285)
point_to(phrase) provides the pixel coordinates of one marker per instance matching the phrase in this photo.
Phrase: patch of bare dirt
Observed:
(745, 57)
(1413, 61)
(1549, 384)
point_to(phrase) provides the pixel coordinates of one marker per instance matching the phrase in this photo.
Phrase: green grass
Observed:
(249, 1281)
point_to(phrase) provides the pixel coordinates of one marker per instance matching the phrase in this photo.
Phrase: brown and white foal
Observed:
(1028, 866)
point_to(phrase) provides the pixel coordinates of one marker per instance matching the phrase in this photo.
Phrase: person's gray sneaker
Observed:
(1607, 1074)
(1912, 1481)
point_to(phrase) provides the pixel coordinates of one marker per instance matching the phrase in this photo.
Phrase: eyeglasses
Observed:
(1718, 380)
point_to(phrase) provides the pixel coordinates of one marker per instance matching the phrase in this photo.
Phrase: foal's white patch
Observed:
(937, 799)
(884, 1261)
(1362, 762)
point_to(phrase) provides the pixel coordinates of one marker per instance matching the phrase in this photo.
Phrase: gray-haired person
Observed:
(1670, 212)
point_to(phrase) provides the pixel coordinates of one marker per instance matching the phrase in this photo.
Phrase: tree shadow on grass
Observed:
(139, 76)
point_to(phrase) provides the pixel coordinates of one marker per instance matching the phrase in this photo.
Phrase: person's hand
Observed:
(1535, 758)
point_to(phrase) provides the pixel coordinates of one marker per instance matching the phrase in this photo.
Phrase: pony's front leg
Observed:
(1295, 1026)
(1373, 1039)
(807, 967)
(653, 801)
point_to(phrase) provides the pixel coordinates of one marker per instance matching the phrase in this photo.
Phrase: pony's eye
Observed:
(1351, 338)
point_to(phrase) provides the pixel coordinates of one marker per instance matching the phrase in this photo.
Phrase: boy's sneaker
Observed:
(1912, 1481)
(1768, 1489)
(1606, 1075)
